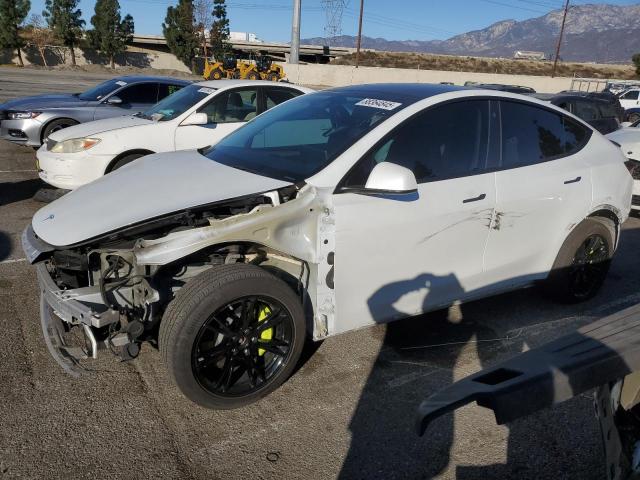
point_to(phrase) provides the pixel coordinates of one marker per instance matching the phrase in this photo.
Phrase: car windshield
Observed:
(177, 103)
(102, 90)
(302, 136)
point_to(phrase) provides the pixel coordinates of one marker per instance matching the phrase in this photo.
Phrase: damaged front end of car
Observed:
(110, 292)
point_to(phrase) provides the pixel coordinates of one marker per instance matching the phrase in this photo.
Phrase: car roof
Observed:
(151, 78)
(218, 84)
(417, 91)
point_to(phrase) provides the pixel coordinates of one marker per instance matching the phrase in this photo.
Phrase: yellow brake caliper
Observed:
(268, 333)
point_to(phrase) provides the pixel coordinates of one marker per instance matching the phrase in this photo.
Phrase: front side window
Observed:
(532, 134)
(633, 95)
(305, 134)
(178, 103)
(139, 93)
(232, 107)
(444, 142)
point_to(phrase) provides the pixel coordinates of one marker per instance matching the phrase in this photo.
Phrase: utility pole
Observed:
(359, 41)
(294, 56)
(564, 20)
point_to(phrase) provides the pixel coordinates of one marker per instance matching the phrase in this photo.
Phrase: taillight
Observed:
(634, 168)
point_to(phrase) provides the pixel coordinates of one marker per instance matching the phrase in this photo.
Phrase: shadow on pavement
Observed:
(11, 192)
(5, 246)
(418, 358)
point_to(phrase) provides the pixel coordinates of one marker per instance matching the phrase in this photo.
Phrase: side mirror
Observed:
(114, 100)
(196, 118)
(390, 178)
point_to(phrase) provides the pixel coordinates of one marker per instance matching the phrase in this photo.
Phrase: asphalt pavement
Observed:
(347, 413)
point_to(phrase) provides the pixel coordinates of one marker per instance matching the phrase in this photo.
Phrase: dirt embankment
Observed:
(425, 61)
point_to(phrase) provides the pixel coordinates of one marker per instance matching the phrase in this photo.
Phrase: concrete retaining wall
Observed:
(340, 75)
(134, 57)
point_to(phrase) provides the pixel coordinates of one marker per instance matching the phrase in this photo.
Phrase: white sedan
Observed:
(628, 139)
(197, 116)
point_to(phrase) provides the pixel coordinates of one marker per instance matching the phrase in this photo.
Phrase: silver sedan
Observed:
(30, 120)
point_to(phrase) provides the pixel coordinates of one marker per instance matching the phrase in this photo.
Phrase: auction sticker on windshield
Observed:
(121, 83)
(376, 103)
(206, 90)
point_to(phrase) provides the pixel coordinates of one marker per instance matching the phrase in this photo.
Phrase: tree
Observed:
(180, 32)
(111, 33)
(12, 15)
(220, 30)
(636, 62)
(64, 19)
(203, 16)
(41, 36)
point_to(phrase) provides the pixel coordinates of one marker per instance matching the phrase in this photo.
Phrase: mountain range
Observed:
(594, 33)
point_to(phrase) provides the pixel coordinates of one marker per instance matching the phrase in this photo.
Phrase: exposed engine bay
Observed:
(125, 279)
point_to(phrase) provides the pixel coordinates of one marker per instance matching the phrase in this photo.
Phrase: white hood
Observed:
(96, 127)
(150, 187)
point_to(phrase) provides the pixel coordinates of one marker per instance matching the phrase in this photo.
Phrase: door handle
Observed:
(575, 180)
(475, 199)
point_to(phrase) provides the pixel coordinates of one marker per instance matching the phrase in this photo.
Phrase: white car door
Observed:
(401, 255)
(225, 112)
(543, 190)
(630, 99)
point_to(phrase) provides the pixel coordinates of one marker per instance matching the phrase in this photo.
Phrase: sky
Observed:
(390, 19)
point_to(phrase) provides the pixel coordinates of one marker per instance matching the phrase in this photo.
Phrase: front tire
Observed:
(124, 161)
(232, 335)
(583, 261)
(56, 125)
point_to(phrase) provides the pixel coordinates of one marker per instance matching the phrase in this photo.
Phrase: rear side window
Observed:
(139, 93)
(608, 110)
(633, 95)
(166, 89)
(531, 135)
(275, 96)
(587, 111)
(444, 142)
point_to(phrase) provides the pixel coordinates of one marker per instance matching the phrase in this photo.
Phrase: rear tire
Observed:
(221, 357)
(253, 76)
(273, 77)
(56, 125)
(125, 160)
(583, 261)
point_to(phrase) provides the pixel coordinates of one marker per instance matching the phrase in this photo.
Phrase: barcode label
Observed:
(376, 103)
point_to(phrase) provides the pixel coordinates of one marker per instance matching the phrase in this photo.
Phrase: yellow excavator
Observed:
(227, 68)
(262, 68)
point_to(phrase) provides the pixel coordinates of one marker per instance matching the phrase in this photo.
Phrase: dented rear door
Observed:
(541, 194)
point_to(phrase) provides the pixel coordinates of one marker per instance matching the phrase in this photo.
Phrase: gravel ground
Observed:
(347, 413)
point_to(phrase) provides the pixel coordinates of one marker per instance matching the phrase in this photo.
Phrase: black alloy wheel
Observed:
(242, 346)
(589, 266)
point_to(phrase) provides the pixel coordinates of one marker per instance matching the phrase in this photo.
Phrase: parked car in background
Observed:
(505, 88)
(197, 116)
(630, 98)
(628, 139)
(600, 110)
(334, 211)
(30, 120)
